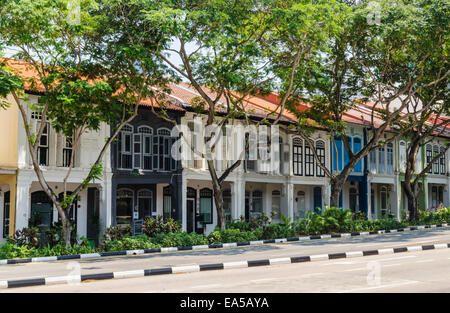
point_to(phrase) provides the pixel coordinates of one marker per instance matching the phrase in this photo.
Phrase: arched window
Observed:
(124, 145)
(442, 162)
(402, 156)
(357, 145)
(145, 203)
(146, 134)
(276, 206)
(429, 155)
(297, 156)
(309, 160)
(436, 163)
(162, 145)
(390, 158)
(320, 149)
(381, 160)
(206, 206)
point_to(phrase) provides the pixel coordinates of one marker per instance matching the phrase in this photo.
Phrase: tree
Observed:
(382, 63)
(78, 93)
(236, 54)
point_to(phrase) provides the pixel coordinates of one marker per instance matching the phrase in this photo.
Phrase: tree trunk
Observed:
(336, 188)
(218, 199)
(66, 231)
(413, 207)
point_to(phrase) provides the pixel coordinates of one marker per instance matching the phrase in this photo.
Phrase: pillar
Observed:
(23, 203)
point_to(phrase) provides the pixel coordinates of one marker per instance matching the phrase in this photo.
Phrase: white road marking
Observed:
(424, 261)
(381, 286)
(261, 280)
(388, 265)
(339, 263)
(311, 275)
(205, 286)
(356, 269)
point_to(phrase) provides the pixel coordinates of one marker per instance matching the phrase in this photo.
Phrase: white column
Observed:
(237, 198)
(184, 203)
(290, 199)
(268, 200)
(23, 203)
(397, 201)
(369, 198)
(105, 204)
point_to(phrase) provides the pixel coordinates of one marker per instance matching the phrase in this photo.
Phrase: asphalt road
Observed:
(425, 271)
(126, 263)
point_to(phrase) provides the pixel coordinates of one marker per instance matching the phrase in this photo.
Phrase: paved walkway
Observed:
(126, 263)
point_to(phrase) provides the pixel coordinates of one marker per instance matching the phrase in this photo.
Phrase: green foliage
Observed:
(28, 237)
(129, 243)
(160, 225)
(233, 235)
(179, 239)
(114, 233)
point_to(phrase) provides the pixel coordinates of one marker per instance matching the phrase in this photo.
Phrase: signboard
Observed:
(137, 227)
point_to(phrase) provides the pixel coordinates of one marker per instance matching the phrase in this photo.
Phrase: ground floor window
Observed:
(300, 210)
(167, 201)
(206, 206)
(72, 210)
(353, 199)
(437, 196)
(124, 207)
(276, 206)
(227, 205)
(317, 198)
(256, 203)
(41, 213)
(145, 203)
(384, 198)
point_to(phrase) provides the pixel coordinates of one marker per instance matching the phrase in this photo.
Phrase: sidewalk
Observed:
(237, 254)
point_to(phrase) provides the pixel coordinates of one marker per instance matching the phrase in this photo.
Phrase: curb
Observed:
(210, 267)
(204, 247)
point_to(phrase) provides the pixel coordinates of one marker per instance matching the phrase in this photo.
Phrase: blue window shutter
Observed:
(356, 148)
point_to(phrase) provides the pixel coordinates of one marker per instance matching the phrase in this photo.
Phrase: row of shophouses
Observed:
(141, 179)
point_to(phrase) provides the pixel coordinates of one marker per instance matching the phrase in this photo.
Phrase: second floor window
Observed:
(429, 154)
(43, 146)
(442, 162)
(67, 152)
(297, 157)
(309, 161)
(145, 150)
(320, 149)
(436, 163)
(124, 146)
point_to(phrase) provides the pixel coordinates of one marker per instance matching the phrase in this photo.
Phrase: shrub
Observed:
(129, 243)
(179, 239)
(9, 250)
(28, 237)
(233, 235)
(113, 233)
(160, 225)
